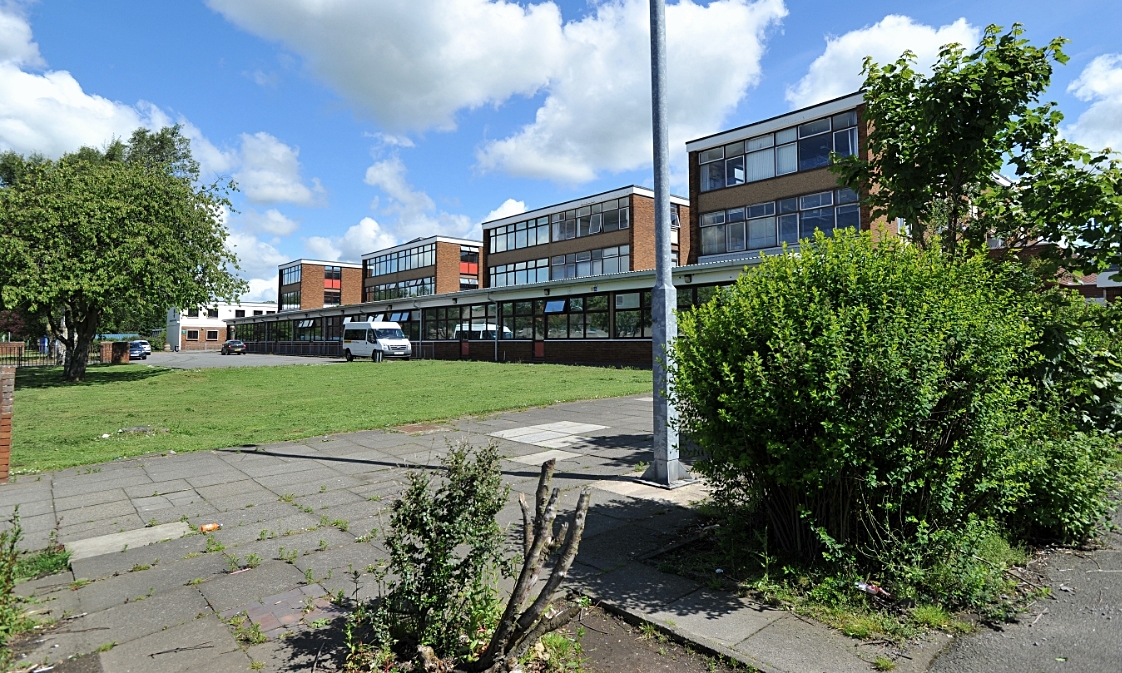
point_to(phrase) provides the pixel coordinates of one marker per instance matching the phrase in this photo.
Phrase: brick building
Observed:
(756, 187)
(204, 328)
(310, 283)
(423, 266)
(606, 233)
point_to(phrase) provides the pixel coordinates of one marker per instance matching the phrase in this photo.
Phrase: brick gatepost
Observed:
(7, 394)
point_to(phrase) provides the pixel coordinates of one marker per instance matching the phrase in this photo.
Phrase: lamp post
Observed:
(665, 470)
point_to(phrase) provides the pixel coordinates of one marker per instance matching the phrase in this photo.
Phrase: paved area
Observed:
(214, 359)
(297, 519)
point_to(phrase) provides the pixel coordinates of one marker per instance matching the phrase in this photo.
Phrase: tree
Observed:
(98, 235)
(938, 141)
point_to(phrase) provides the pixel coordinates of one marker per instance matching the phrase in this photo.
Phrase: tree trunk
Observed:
(78, 357)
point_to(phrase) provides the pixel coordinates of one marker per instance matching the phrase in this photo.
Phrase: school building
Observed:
(570, 283)
(204, 327)
(311, 283)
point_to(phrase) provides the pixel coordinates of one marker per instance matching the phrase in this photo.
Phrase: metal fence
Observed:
(29, 355)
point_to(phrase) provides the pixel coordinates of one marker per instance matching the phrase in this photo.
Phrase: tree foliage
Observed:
(99, 235)
(938, 142)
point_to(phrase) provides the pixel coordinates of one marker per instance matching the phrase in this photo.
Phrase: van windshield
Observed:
(389, 333)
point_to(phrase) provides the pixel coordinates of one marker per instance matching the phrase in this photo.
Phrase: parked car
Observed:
(136, 351)
(233, 346)
(147, 346)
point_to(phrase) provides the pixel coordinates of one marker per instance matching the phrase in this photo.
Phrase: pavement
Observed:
(214, 359)
(168, 598)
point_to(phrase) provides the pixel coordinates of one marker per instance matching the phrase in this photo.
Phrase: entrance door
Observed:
(539, 337)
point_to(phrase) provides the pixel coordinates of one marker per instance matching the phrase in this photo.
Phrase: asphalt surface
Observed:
(1078, 629)
(214, 359)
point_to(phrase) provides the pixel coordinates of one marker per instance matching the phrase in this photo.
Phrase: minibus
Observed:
(375, 340)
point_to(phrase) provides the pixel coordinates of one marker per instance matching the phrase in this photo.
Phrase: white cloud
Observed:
(16, 46)
(416, 212)
(258, 261)
(1100, 84)
(838, 70)
(597, 114)
(272, 221)
(270, 172)
(261, 289)
(508, 208)
(366, 236)
(415, 64)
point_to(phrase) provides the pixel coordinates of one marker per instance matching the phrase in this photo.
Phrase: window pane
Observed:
(713, 240)
(558, 327)
(761, 165)
(735, 233)
(761, 209)
(788, 228)
(816, 200)
(819, 218)
(814, 128)
(847, 195)
(598, 302)
(523, 327)
(845, 119)
(576, 325)
(711, 155)
(785, 136)
(596, 326)
(845, 142)
(627, 300)
(734, 149)
(611, 220)
(628, 324)
(597, 223)
(789, 206)
(735, 215)
(814, 152)
(712, 176)
(761, 233)
(758, 143)
(624, 218)
(786, 159)
(849, 216)
(713, 218)
(734, 171)
(584, 225)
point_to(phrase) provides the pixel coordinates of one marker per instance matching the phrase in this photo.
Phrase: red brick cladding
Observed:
(311, 286)
(7, 395)
(447, 267)
(352, 286)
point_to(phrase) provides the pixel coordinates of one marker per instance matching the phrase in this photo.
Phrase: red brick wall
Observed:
(641, 237)
(447, 267)
(352, 286)
(311, 286)
(685, 237)
(7, 395)
(693, 223)
(635, 353)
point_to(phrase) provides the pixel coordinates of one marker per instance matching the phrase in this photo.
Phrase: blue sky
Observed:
(356, 124)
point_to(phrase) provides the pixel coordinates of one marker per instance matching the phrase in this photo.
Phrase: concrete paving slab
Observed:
(633, 587)
(204, 644)
(115, 542)
(156, 488)
(542, 456)
(105, 565)
(720, 618)
(146, 584)
(96, 511)
(796, 646)
(617, 547)
(271, 577)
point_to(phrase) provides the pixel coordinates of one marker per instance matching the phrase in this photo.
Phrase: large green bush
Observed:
(877, 402)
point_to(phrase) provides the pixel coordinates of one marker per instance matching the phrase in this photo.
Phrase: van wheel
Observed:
(348, 356)
(376, 356)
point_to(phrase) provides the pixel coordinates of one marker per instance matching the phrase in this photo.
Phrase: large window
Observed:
(802, 148)
(306, 330)
(599, 217)
(332, 277)
(291, 275)
(577, 317)
(519, 273)
(402, 260)
(468, 283)
(770, 224)
(192, 335)
(519, 235)
(332, 297)
(633, 315)
(290, 301)
(616, 259)
(212, 335)
(417, 287)
(469, 260)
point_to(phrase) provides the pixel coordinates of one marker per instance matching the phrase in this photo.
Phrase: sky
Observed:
(354, 125)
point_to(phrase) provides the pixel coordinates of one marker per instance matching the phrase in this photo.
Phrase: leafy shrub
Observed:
(889, 409)
(445, 550)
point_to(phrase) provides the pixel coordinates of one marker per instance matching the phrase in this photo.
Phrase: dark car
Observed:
(233, 346)
(136, 351)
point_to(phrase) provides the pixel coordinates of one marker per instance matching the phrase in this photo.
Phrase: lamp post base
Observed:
(676, 477)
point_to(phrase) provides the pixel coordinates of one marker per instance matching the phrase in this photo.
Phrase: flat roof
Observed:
(422, 241)
(581, 202)
(823, 109)
(318, 262)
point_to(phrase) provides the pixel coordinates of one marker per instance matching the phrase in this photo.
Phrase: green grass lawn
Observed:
(57, 425)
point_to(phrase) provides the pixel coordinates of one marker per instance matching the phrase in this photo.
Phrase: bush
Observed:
(881, 405)
(445, 552)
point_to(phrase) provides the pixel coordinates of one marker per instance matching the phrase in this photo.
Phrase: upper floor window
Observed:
(402, 260)
(192, 313)
(599, 217)
(799, 148)
(289, 301)
(332, 277)
(212, 312)
(771, 224)
(290, 276)
(239, 313)
(519, 235)
(469, 260)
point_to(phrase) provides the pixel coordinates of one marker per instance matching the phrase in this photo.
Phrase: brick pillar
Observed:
(7, 394)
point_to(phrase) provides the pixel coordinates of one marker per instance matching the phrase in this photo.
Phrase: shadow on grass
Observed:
(51, 377)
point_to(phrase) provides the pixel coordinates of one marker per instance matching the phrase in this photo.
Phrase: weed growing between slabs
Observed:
(16, 567)
(58, 424)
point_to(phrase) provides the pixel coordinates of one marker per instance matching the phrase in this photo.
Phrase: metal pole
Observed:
(665, 470)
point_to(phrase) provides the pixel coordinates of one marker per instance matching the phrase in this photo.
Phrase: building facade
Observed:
(606, 233)
(766, 184)
(310, 283)
(421, 267)
(204, 328)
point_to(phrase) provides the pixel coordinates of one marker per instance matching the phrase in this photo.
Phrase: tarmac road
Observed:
(1078, 629)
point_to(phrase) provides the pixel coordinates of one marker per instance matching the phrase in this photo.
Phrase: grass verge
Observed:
(58, 425)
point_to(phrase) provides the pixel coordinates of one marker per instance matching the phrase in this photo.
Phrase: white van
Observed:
(375, 340)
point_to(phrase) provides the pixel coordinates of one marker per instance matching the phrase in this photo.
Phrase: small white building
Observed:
(204, 328)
